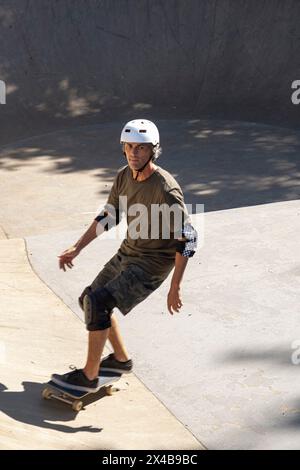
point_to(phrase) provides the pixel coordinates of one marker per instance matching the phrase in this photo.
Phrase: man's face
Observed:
(137, 154)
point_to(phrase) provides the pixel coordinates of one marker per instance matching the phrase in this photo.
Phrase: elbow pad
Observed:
(188, 244)
(110, 221)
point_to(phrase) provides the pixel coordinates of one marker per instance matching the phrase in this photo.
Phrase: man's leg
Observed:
(115, 339)
(97, 340)
(97, 306)
(109, 272)
(86, 379)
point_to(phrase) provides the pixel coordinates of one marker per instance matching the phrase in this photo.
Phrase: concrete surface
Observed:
(202, 71)
(39, 335)
(52, 186)
(66, 64)
(223, 366)
(59, 180)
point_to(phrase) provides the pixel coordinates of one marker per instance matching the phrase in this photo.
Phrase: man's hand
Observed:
(65, 259)
(174, 299)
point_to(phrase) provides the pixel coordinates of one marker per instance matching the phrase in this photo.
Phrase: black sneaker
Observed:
(110, 364)
(76, 380)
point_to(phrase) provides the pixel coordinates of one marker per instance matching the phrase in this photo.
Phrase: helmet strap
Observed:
(142, 168)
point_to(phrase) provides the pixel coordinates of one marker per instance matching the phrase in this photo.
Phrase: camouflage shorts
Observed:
(128, 283)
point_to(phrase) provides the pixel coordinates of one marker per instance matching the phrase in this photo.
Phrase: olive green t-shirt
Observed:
(151, 245)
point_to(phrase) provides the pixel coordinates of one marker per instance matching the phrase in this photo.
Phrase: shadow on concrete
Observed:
(67, 66)
(290, 417)
(275, 355)
(220, 164)
(29, 407)
(277, 422)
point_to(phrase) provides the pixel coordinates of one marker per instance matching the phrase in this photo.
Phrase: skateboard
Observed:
(74, 397)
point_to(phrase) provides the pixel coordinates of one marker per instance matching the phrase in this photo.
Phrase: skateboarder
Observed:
(147, 255)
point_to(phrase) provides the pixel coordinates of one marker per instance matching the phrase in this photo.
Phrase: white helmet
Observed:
(141, 131)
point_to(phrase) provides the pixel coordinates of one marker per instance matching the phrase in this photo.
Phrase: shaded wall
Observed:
(71, 62)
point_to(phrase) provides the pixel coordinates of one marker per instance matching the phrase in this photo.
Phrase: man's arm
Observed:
(92, 232)
(174, 297)
(186, 247)
(65, 259)
(108, 217)
(180, 265)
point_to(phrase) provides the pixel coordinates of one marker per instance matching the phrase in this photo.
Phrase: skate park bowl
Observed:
(219, 80)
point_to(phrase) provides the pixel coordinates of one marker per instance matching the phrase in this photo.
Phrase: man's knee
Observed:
(97, 307)
(87, 290)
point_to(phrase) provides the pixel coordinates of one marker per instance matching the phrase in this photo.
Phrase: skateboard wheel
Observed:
(109, 390)
(46, 393)
(77, 405)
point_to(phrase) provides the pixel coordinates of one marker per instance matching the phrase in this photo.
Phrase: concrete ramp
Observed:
(216, 76)
(38, 336)
(227, 365)
(66, 64)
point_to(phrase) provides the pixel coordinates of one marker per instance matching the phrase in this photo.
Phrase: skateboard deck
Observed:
(74, 397)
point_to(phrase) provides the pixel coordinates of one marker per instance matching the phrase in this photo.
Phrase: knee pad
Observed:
(97, 307)
(87, 290)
